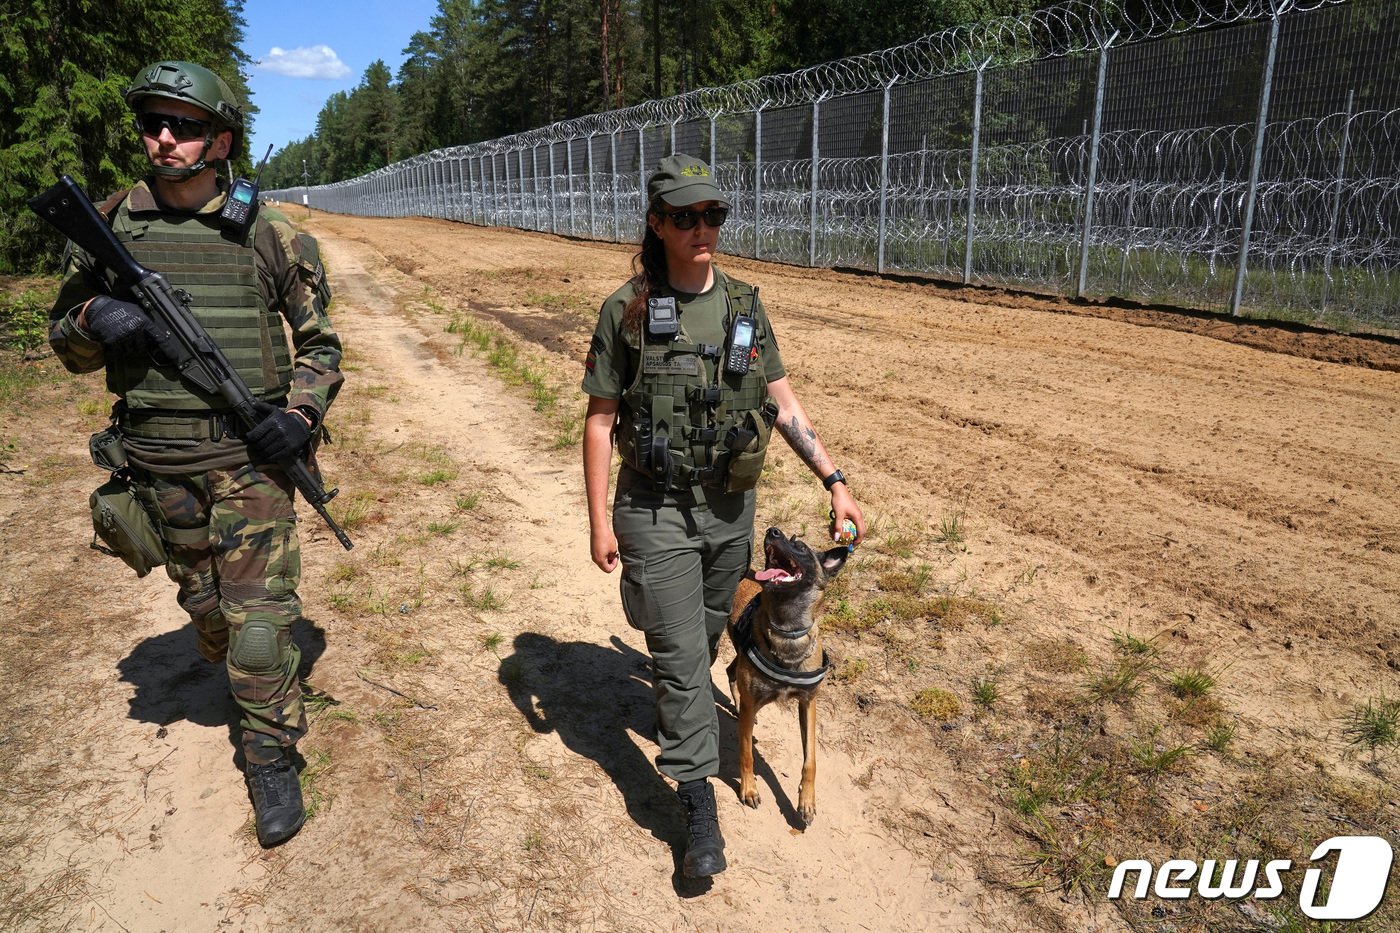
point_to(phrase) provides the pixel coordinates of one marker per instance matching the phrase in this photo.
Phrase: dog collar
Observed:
(743, 641)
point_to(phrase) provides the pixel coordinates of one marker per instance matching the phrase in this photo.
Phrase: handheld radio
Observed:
(242, 200)
(741, 343)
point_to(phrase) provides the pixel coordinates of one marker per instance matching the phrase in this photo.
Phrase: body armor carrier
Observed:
(221, 278)
(685, 420)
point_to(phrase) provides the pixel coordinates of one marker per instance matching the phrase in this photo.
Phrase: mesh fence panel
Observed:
(1093, 148)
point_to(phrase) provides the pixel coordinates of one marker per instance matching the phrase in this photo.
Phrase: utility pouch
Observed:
(124, 525)
(106, 449)
(747, 445)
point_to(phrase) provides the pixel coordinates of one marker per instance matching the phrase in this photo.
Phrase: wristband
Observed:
(836, 477)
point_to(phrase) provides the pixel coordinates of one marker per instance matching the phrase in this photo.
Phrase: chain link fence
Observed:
(1234, 155)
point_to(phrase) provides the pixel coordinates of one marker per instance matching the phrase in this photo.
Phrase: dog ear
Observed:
(834, 559)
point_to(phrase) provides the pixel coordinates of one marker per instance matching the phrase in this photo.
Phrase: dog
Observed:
(778, 654)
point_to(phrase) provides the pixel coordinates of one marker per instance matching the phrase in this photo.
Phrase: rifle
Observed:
(182, 342)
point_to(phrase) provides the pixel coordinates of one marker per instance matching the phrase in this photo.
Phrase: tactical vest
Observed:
(687, 421)
(221, 278)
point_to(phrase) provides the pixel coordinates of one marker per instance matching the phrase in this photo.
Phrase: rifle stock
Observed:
(182, 341)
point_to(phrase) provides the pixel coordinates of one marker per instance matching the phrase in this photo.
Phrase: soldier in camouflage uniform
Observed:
(225, 510)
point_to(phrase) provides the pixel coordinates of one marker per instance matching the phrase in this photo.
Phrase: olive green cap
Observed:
(680, 180)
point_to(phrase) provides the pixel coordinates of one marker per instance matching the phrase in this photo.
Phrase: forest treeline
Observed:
(63, 65)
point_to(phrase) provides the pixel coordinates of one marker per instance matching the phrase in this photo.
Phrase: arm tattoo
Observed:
(804, 441)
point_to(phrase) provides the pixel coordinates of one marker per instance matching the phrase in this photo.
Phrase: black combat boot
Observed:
(277, 807)
(704, 847)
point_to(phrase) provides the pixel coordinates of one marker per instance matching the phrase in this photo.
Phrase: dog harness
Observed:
(743, 641)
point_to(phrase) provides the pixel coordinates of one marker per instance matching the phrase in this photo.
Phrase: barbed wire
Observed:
(1169, 204)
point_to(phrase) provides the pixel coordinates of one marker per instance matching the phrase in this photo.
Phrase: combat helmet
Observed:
(193, 84)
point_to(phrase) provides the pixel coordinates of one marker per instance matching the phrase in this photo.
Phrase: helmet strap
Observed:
(178, 175)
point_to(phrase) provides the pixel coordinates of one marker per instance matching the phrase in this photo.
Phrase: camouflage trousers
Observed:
(239, 586)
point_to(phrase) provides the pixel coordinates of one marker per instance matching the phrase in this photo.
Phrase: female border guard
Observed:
(684, 372)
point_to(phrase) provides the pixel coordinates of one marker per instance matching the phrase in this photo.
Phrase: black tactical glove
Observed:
(117, 324)
(278, 436)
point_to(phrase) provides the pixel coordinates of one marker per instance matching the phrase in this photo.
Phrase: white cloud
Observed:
(315, 61)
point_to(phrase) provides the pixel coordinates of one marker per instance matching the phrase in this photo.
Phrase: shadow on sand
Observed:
(172, 682)
(593, 696)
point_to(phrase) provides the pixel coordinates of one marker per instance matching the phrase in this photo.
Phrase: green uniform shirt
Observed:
(611, 365)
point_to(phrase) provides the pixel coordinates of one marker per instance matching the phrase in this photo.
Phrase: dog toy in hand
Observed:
(847, 534)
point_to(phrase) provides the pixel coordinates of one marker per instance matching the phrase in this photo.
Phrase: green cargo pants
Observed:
(682, 559)
(238, 585)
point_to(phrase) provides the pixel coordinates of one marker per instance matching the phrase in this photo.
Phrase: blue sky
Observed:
(312, 48)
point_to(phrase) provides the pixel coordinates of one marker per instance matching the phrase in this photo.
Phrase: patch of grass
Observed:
(437, 477)
(442, 528)
(899, 542)
(353, 512)
(24, 319)
(1066, 860)
(1131, 644)
(1191, 683)
(851, 670)
(933, 703)
(1375, 725)
(468, 502)
(340, 600)
(956, 611)
(318, 765)
(492, 642)
(568, 431)
(1219, 737)
(985, 692)
(344, 571)
(484, 600)
(951, 532)
(502, 561)
(1155, 758)
(1120, 681)
(912, 582)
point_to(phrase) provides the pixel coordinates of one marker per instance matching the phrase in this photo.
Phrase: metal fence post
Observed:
(472, 173)
(537, 218)
(972, 174)
(816, 154)
(1256, 163)
(884, 178)
(1093, 168)
(569, 151)
(1336, 203)
(713, 149)
(757, 180)
(673, 136)
(592, 226)
(521, 224)
(641, 165)
(553, 195)
(617, 229)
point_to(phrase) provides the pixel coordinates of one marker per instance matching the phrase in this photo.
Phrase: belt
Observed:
(165, 424)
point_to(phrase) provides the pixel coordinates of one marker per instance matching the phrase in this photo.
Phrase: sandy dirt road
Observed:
(482, 754)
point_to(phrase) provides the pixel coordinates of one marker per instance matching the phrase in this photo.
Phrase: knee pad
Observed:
(258, 648)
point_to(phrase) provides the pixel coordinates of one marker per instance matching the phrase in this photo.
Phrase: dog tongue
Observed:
(764, 576)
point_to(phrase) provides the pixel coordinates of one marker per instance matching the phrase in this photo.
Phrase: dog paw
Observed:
(752, 800)
(807, 814)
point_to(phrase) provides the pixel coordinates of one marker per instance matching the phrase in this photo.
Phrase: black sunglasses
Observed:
(713, 217)
(183, 129)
